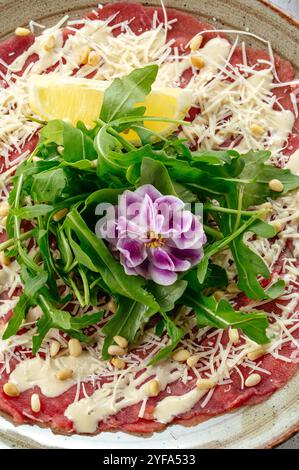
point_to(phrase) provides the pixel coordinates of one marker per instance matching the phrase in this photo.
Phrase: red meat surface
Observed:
(225, 398)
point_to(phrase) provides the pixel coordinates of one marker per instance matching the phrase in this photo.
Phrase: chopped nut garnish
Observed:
(253, 380)
(11, 390)
(197, 62)
(75, 347)
(120, 341)
(256, 129)
(205, 384)
(196, 43)
(35, 403)
(22, 32)
(114, 350)
(60, 215)
(181, 355)
(276, 185)
(64, 374)
(153, 388)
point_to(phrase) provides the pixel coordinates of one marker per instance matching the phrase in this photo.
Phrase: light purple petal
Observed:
(133, 251)
(162, 276)
(180, 264)
(161, 259)
(148, 190)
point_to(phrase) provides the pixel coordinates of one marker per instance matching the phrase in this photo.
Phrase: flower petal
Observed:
(180, 264)
(162, 276)
(133, 251)
(148, 190)
(161, 259)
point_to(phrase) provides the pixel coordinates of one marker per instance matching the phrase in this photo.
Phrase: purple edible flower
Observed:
(154, 236)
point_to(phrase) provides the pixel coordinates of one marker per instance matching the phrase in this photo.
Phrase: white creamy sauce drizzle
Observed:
(86, 413)
(170, 407)
(228, 110)
(293, 163)
(42, 373)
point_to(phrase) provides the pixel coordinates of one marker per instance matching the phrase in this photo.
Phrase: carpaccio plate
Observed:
(247, 427)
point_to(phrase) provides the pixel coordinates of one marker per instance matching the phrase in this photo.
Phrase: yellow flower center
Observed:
(156, 240)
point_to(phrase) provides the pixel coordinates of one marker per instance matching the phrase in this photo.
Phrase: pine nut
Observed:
(276, 326)
(253, 380)
(4, 260)
(94, 59)
(219, 294)
(35, 403)
(196, 43)
(11, 390)
(22, 32)
(75, 347)
(192, 361)
(267, 206)
(3, 221)
(60, 215)
(234, 336)
(205, 384)
(120, 341)
(181, 355)
(232, 288)
(256, 353)
(276, 185)
(60, 149)
(54, 348)
(278, 226)
(152, 388)
(111, 306)
(85, 52)
(4, 209)
(64, 374)
(114, 350)
(118, 363)
(256, 129)
(50, 43)
(197, 62)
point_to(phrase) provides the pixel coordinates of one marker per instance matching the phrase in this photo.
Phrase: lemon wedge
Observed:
(76, 99)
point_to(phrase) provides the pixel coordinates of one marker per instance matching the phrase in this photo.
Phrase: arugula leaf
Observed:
(262, 229)
(260, 173)
(222, 315)
(55, 318)
(124, 93)
(51, 185)
(176, 334)
(34, 284)
(76, 143)
(166, 296)
(78, 323)
(31, 212)
(216, 277)
(128, 319)
(249, 266)
(155, 173)
(19, 314)
(43, 325)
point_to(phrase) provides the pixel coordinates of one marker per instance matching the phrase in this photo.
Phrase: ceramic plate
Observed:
(264, 425)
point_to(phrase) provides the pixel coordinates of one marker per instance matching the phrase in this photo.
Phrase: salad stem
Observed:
(11, 243)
